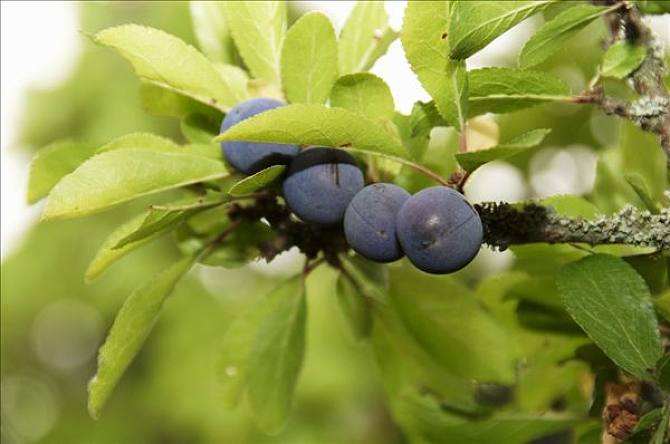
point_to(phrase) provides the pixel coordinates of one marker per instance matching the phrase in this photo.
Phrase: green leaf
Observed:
(211, 31)
(553, 35)
(199, 128)
(159, 101)
(371, 278)
(365, 94)
(425, 419)
(503, 90)
(424, 39)
(258, 28)
(276, 355)
(315, 125)
(381, 45)
(475, 24)
(458, 92)
(610, 301)
(309, 59)
(232, 365)
(167, 61)
(662, 304)
(403, 362)
(158, 221)
(152, 142)
(473, 160)
(621, 59)
(107, 254)
(662, 429)
(452, 327)
(640, 154)
(648, 421)
(365, 31)
(131, 327)
(653, 6)
(639, 185)
(354, 307)
(118, 176)
(415, 129)
(664, 372)
(257, 181)
(52, 163)
(140, 141)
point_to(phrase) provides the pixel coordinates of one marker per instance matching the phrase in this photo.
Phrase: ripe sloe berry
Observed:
(320, 183)
(438, 230)
(370, 221)
(251, 157)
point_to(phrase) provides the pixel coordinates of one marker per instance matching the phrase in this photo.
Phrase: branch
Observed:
(505, 224)
(651, 111)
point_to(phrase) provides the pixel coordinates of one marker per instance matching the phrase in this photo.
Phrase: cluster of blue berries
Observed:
(438, 230)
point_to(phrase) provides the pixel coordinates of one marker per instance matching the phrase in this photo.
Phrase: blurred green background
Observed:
(52, 323)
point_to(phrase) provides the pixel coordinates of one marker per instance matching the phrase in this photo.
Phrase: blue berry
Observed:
(370, 221)
(320, 183)
(438, 230)
(251, 157)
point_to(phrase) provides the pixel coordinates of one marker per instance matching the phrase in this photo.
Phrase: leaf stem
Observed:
(219, 239)
(310, 265)
(420, 168)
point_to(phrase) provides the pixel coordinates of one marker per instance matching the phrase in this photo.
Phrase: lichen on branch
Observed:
(506, 224)
(651, 111)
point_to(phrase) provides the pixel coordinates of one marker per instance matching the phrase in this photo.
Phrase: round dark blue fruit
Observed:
(251, 157)
(438, 230)
(320, 183)
(370, 222)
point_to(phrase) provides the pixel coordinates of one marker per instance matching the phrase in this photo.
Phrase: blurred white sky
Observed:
(47, 57)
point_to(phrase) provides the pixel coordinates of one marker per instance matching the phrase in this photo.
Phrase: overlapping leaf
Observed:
(621, 59)
(315, 125)
(117, 176)
(211, 30)
(258, 28)
(52, 163)
(475, 24)
(472, 160)
(257, 181)
(452, 327)
(554, 33)
(262, 352)
(168, 62)
(131, 327)
(309, 59)
(426, 43)
(365, 94)
(503, 90)
(364, 37)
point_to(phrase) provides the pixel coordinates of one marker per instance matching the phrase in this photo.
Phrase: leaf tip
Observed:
(91, 274)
